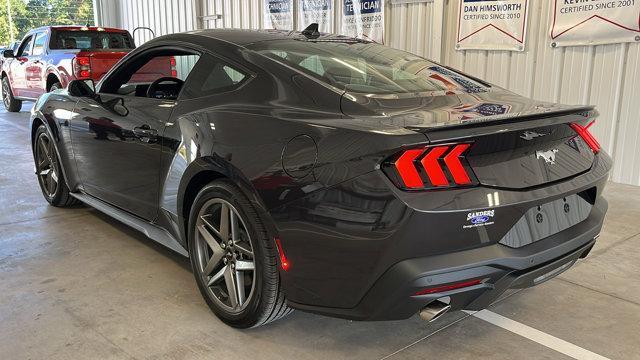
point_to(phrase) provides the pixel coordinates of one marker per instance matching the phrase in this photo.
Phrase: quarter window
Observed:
(213, 76)
(313, 64)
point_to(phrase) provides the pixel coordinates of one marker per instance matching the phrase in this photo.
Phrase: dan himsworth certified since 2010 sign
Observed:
(492, 24)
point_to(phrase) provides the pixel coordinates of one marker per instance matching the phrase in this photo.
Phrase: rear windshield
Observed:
(90, 40)
(366, 67)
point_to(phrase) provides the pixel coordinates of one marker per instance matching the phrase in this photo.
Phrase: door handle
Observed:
(145, 131)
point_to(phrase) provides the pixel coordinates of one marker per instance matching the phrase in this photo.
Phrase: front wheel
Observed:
(233, 259)
(10, 103)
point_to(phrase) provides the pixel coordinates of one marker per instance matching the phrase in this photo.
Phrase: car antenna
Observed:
(311, 32)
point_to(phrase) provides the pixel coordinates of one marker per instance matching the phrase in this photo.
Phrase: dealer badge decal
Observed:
(479, 218)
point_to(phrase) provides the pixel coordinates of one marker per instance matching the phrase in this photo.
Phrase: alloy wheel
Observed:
(224, 255)
(5, 94)
(46, 165)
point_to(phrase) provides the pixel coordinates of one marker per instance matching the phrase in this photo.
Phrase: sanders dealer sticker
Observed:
(479, 218)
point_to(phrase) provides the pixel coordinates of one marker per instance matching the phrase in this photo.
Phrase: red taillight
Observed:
(172, 66)
(449, 287)
(453, 162)
(443, 166)
(82, 67)
(431, 164)
(588, 138)
(407, 169)
(284, 262)
(83, 61)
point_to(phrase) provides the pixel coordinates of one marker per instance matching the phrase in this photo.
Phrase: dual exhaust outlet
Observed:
(435, 309)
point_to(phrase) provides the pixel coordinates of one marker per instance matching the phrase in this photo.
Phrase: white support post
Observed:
(438, 29)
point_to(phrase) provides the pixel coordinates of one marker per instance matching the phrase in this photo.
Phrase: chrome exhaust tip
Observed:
(435, 309)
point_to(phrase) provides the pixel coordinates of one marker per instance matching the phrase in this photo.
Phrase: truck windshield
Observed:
(90, 40)
(366, 67)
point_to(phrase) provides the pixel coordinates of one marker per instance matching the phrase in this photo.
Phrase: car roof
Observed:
(243, 37)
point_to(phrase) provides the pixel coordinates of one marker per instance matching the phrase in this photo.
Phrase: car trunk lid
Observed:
(516, 143)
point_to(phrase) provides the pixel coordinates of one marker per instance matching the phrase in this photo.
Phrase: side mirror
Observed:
(7, 54)
(82, 88)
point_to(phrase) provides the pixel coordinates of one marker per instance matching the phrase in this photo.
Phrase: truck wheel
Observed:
(10, 103)
(56, 85)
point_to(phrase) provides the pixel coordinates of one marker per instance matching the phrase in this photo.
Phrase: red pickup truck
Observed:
(50, 57)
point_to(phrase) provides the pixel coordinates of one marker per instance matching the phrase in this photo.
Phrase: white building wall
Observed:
(603, 75)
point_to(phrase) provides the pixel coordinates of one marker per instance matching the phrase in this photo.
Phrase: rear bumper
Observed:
(500, 267)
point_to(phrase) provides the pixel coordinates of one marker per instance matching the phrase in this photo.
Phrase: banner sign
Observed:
(364, 19)
(593, 22)
(316, 11)
(492, 24)
(278, 14)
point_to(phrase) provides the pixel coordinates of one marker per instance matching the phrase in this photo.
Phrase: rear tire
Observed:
(49, 171)
(243, 240)
(10, 103)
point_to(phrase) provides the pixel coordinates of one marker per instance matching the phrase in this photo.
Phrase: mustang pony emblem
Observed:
(530, 135)
(549, 156)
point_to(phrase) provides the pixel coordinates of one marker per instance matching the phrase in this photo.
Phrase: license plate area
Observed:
(547, 219)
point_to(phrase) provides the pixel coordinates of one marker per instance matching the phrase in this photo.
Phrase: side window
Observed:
(313, 64)
(136, 76)
(213, 76)
(25, 47)
(38, 45)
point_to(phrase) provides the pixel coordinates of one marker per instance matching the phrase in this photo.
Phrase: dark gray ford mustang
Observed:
(323, 173)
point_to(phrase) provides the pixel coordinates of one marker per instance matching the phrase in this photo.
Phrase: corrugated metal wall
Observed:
(415, 27)
(245, 14)
(603, 75)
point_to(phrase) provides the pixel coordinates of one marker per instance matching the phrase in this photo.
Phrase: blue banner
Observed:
(279, 6)
(352, 7)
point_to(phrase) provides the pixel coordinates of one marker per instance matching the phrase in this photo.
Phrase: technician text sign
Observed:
(592, 22)
(364, 19)
(316, 11)
(492, 24)
(278, 14)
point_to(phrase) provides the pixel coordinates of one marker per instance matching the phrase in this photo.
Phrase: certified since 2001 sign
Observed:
(492, 24)
(592, 22)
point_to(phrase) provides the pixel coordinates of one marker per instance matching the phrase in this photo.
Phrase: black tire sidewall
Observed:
(8, 96)
(14, 104)
(229, 192)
